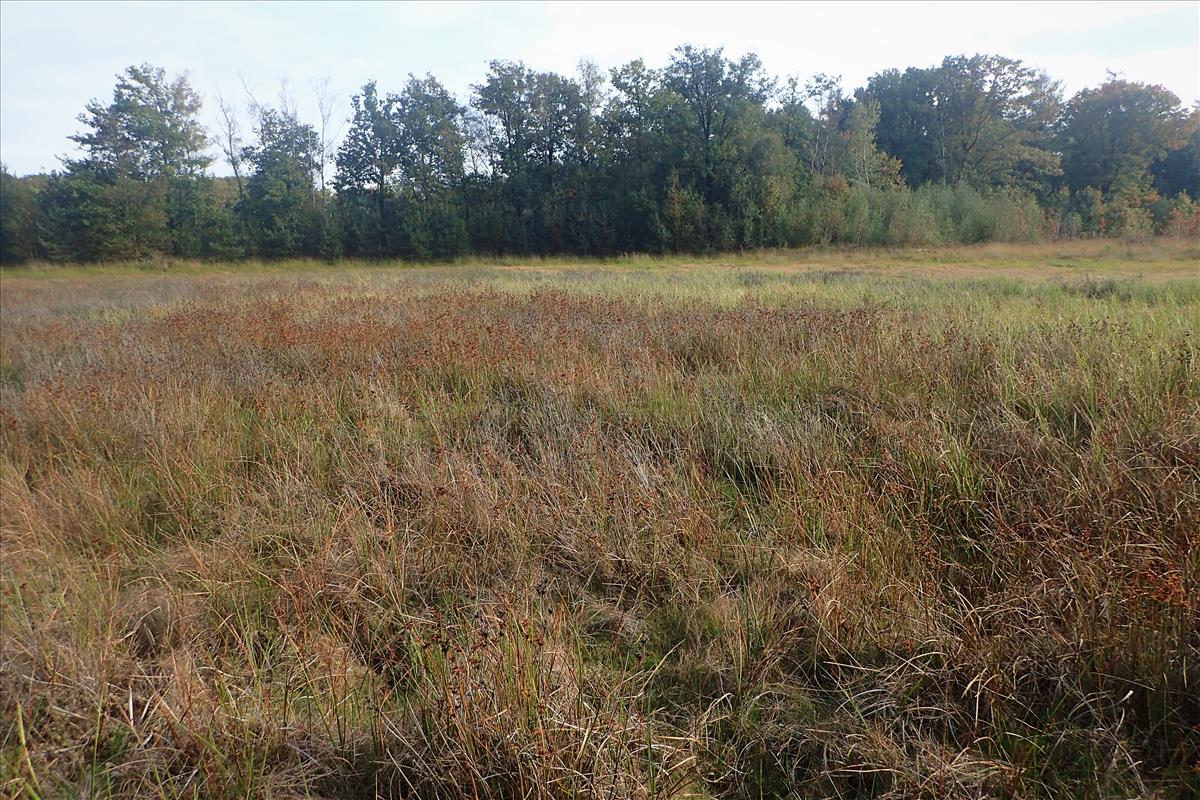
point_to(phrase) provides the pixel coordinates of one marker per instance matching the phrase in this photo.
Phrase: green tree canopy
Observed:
(150, 129)
(1111, 135)
(985, 120)
(279, 206)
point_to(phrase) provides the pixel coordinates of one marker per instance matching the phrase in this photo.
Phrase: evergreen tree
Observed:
(19, 217)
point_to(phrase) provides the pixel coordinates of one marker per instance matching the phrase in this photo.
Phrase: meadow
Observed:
(832, 523)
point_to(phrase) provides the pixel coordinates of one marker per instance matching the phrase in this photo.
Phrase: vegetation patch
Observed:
(845, 525)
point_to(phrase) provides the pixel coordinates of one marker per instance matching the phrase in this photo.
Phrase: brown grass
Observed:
(617, 532)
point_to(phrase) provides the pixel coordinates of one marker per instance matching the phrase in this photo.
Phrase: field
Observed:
(829, 524)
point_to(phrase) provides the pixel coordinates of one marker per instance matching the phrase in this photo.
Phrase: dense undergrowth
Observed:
(600, 532)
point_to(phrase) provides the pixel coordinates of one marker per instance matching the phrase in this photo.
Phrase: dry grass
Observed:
(835, 530)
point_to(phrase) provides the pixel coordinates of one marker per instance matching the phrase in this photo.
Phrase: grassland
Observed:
(832, 524)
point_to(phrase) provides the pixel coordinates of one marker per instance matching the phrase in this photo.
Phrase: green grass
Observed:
(1069, 257)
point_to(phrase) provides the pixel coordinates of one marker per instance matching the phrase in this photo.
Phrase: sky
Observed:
(55, 57)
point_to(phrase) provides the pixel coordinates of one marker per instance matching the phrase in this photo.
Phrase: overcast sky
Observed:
(54, 57)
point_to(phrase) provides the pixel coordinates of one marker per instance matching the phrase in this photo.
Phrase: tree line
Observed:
(706, 153)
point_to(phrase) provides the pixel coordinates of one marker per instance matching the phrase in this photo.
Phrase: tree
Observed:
(1179, 170)
(994, 114)
(504, 99)
(279, 206)
(406, 153)
(637, 110)
(985, 120)
(427, 119)
(832, 106)
(151, 128)
(18, 219)
(860, 160)
(704, 153)
(135, 191)
(715, 93)
(230, 139)
(369, 156)
(94, 216)
(792, 118)
(910, 127)
(326, 101)
(505, 104)
(1112, 134)
(640, 157)
(431, 169)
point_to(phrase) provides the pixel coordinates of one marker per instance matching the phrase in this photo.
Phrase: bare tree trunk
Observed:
(326, 102)
(231, 141)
